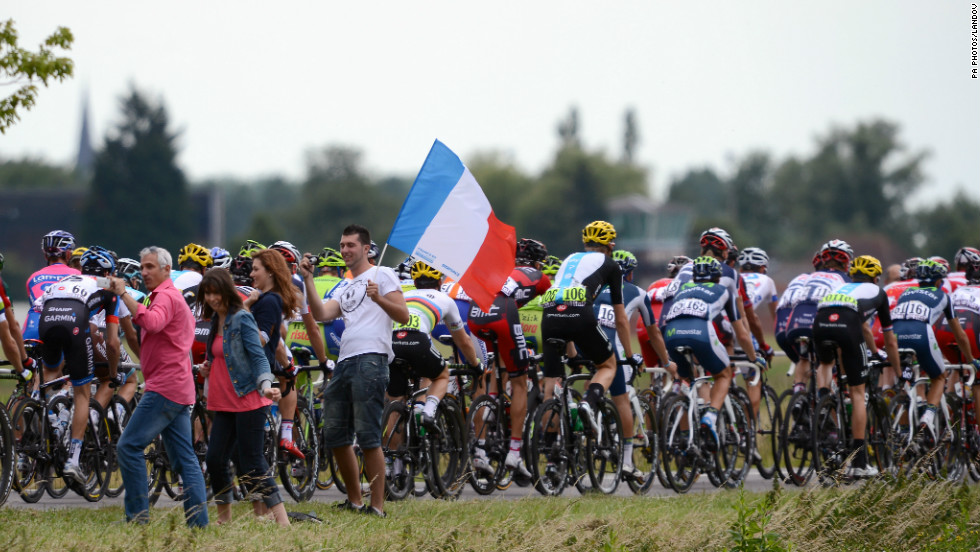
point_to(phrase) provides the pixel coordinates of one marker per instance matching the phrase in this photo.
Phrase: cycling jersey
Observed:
(635, 300)
(729, 281)
(689, 324)
(426, 308)
(760, 288)
(503, 323)
(966, 308)
(650, 357)
(783, 310)
(805, 300)
(67, 307)
(865, 298)
(411, 343)
(36, 285)
(839, 320)
(954, 280)
(914, 315)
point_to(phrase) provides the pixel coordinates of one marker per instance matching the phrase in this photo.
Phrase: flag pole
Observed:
(381, 256)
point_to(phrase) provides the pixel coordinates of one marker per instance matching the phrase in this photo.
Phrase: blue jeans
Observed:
(157, 415)
(353, 401)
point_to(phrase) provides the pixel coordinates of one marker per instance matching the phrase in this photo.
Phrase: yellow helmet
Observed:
(77, 253)
(195, 253)
(422, 270)
(867, 265)
(598, 231)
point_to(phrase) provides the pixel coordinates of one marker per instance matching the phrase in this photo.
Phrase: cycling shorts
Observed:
(835, 328)
(66, 336)
(618, 385)
(782, 322)
(503, 323)
(800, 325)
(912, 334)
(421, 360)
(577, 324)
(700, 336)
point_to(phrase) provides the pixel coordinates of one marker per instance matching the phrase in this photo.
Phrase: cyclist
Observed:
(427, 306)
(57, 246)
(503, 323)
(715, 242)
(689, 324)
(966, 308)
(531, 312)
(76, 258)
(917, 310)
(10, 334)
(962, 260)
(67, 307)
(635, 302)
(835, 257)
(655, 293)
(569, 314)
(332, 268)
(193, 260)
(842, 320)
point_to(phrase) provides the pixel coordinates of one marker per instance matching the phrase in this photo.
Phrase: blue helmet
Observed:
(626, 261)
(97, 261)
(929, 271)
(706, 269)
(57, 242)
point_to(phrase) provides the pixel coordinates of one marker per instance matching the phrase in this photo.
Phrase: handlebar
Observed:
(961, 367)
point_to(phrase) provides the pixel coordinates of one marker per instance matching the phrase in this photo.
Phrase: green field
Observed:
(899, 515)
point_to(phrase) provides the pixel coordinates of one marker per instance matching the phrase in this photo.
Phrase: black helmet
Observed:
(530, 251)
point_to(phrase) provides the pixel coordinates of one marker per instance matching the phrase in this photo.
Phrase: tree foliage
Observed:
(139, 196)
(25, 69)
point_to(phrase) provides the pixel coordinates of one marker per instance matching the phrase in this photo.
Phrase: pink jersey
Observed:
(40, 280)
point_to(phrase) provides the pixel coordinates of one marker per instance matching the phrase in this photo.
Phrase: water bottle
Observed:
(64, 421)
(576, 421)
(318, 413)
(417, 408)
(847, 404)
(55, 424)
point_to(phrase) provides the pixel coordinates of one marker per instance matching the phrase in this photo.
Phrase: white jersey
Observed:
(427, 307)
(368, 328)
(789, 297)
(184, 279)
(966, 298)
(760, 289)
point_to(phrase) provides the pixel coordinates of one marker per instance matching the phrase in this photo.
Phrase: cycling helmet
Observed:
(57, 242)
(929, 271)
(221, 257)
(675, 264)
(422, 270)
(965, 255)
(973, 271)
(97, 262)
(250, 246)
(404, 268)
(706, 269)
(550, 265)
(241, 270)
(837, 250)
(598, 231)
(717, 238)
(817, 261)
(194, 253)
(288, 251)
(753, 256)
(940, 260)
(77, 253)
(732, 257)
(867, 265)
(626, 261)
(330, 257)
(530, 251)
(907, 270)
(374, 252)
(126, 267)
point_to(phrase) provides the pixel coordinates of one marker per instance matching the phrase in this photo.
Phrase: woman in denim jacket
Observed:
(239, 393)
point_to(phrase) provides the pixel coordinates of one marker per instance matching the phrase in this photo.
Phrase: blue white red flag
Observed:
(448, 222)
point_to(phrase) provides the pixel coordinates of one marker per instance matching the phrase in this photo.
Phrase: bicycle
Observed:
(6, 446)
(684, 455)
(562, 452)
(767, 423)
(645, 434)
(298, 475)
(798, 432)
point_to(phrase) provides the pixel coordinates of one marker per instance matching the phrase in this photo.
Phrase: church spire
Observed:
(85, 162)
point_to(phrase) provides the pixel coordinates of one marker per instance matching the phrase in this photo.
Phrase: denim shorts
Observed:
(353, 401)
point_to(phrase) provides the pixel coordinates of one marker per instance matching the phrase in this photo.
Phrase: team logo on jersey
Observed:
(401, 335)
(834, 317)
(74, 331)
(561, 308)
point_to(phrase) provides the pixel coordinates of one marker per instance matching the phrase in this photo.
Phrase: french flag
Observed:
(447, 222)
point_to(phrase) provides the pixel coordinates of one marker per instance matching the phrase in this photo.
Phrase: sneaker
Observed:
(348, 506)
(632, 473)
(290, 447)
(866, 472)
(74, 471)
(481, 463)
(369, 510)
(516, 464)
(586, 414)
(430, 425)
(709, 437)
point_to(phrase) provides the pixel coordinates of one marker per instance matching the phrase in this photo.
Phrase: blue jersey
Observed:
(635, 300)
(702, 300)
(729, 281)
(923, 304)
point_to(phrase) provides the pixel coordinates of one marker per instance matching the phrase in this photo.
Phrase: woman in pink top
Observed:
(239, 393)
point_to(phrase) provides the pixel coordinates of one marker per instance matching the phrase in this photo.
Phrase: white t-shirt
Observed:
(760, 288)
(368, 328)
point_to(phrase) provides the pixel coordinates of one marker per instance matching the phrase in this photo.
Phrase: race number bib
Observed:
(607, 316)
(414, 323)
(911, 310)
(573, 296)
(689, 307)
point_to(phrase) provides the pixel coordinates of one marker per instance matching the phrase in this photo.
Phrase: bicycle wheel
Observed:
(646, 451)
(118, 414)
(949, 460)
(57, 486)
(900, 435)
(447, 451)
(656, 400)
(678, 454)
(832, 452)
(548, 449)
(200, 433)
(6, 455)
(400, 467)
(29, 473)
(604, 452)
(299, 476)
(157, 467)
(95, 457)
(484, 445)
(879, 436)
(798, 436)
(739, 437)
(767, 441)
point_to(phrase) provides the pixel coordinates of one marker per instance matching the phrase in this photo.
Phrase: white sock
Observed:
(628, 454)
(286, 431)
(515, 447)
(431, 403)
(74, 450)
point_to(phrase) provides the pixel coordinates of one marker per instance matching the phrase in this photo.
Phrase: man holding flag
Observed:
(354, 396)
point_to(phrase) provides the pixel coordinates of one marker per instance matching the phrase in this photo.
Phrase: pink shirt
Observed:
(221, 393)
(168, 333)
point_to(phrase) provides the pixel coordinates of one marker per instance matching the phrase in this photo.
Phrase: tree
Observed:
(943, 229)
(139, 195)
(24, 68)
(32, 174)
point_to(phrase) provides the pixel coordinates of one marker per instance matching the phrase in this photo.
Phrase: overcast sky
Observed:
(254, 85)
